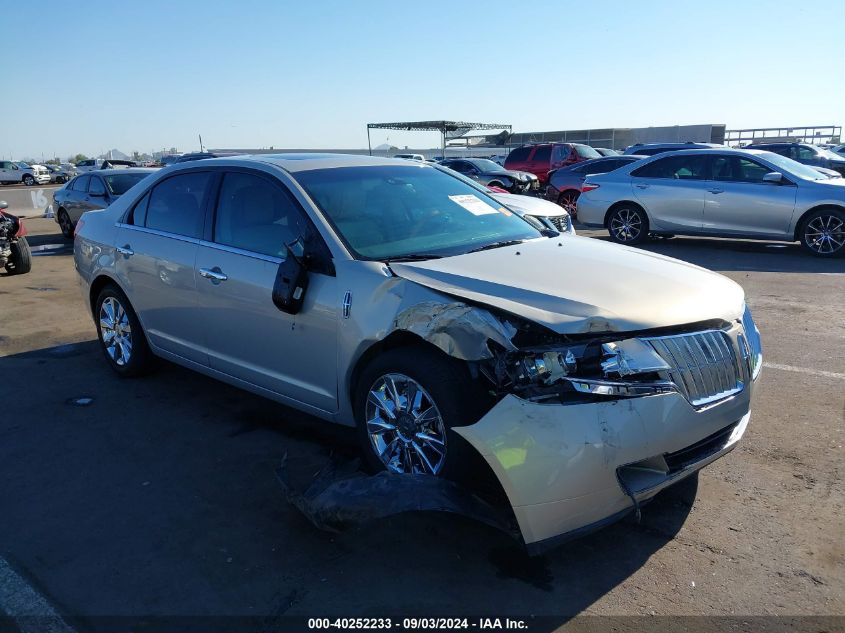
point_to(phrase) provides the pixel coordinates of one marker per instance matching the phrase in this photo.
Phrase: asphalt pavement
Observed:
(126, 503)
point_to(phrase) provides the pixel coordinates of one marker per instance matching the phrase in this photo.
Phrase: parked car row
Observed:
(92, 191)
(19, 172)
(406, 301)
(749, 194)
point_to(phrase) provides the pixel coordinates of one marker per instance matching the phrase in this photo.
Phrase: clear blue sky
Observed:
(146, 74)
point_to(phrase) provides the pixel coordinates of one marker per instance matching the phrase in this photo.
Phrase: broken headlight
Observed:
(624, 368)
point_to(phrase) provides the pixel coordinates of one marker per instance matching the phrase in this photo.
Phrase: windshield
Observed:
(392, 211)
(486, 165)
(118, 184)
(793, 166)
(585, 151)
(22, 165)
(830, 155)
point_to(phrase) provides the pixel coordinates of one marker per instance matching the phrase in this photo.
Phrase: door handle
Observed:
(716, 190)
(641, 186)
(214, 274)
(125, 250)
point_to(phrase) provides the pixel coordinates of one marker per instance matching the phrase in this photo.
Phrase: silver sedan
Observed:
(745, 194)
(400, 299)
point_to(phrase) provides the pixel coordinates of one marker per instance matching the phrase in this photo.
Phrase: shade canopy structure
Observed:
(447, 129)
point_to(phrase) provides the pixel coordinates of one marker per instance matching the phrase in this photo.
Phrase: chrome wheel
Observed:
(825, 234)
(115, 331)
(405, 427)
(626, 225)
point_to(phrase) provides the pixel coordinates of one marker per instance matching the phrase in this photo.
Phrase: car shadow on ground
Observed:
(727, 254)
(161, 492)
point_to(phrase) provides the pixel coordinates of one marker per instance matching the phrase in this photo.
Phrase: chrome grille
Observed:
(703, 365)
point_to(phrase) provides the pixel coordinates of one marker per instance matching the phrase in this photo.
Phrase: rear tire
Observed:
(20, 262)
(408, 434)
(28, 180)
(121, 336)
(823, 233)
(569, 201)
(627, 224)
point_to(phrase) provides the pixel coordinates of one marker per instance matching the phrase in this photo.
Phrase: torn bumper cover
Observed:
(342, 497)
(567, 469)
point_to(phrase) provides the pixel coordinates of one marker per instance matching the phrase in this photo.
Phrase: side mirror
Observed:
(773, 178)
(291, 280)
(4, 204)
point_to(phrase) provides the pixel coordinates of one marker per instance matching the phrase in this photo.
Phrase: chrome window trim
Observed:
(240, 251)
(144, 229)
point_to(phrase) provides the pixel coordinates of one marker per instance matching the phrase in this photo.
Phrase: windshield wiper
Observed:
(413, 257)
(501, 244)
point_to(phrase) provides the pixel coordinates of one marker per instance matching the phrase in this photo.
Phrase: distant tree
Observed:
(136, 156)
(78, 158)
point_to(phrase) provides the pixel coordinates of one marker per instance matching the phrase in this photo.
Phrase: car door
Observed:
(5, 171)
(247, 336)
(96, 197)
(671, 190)
(157, 250)
(77, 192)
(739, 202)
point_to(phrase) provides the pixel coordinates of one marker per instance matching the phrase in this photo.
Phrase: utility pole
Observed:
(200, 135)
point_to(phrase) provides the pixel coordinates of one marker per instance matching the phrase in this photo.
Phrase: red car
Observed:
(545, 157)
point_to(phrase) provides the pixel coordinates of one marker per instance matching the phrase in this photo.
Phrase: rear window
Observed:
(520, 154)
(118, 184)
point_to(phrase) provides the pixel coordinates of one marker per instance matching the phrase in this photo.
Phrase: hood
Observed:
(582, 285)
(530, 205)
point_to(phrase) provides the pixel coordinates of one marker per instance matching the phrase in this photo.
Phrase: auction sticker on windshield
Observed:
(473, 204)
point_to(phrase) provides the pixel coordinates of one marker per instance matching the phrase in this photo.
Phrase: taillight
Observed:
(79, 224)
(588, 186)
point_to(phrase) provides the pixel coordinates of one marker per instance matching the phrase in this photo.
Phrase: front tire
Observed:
(823, 233)
(20, 262)
(628, 224)
(407, 402)
(65, 224)
(121, 337)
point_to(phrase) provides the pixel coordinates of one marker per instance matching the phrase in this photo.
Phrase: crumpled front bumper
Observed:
(567, 469)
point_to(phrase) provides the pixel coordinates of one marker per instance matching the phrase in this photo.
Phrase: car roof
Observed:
(127, 170)
(305, 161)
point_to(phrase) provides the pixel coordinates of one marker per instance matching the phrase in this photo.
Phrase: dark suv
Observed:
(545, 157)
(651, 149)
(806, 154)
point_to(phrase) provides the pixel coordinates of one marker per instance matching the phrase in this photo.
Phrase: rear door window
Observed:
(543, 154)
(519, 154)
(81, 184)
(675, 167)
(96, 187)
(176, 204)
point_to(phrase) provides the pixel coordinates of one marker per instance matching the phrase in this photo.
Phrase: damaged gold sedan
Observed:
(453, 332)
